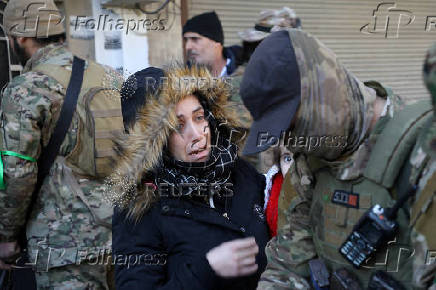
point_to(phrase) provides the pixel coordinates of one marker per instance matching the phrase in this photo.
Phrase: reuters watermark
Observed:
(193, 189)
(179, 83)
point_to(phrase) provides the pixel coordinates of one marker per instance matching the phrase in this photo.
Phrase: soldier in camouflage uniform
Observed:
(69, 224)
(423, 210)
(351, 142)
(269, 20)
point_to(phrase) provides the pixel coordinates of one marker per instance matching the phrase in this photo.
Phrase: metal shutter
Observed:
(396, 62)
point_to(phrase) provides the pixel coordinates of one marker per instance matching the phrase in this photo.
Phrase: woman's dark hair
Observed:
(51, 39)
(207, 112)
(216, 126)
(203, 101)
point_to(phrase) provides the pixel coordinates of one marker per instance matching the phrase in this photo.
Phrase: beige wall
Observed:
(166, 46)
(394, 61)
(80, 47)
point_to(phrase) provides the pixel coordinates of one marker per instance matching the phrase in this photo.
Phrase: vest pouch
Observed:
(100, 110)
(334, 221)
(100, 118)
(91, 196)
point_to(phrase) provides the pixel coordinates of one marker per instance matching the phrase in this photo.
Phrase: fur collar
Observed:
(140, 152)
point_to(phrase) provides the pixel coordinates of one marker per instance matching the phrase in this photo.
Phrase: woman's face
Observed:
(191, 141)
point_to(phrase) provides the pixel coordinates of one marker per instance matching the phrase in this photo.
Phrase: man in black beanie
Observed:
(204, 39)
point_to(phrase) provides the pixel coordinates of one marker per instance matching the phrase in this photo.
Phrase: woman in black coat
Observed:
(189, 212)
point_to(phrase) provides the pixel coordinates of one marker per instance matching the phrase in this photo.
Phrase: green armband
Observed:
(10, 153)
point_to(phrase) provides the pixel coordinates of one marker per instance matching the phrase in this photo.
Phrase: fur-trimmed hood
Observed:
(141, 150)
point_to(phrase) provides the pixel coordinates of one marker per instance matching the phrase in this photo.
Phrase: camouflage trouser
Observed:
(73, 277)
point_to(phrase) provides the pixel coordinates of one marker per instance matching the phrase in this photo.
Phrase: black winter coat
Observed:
(167, 248)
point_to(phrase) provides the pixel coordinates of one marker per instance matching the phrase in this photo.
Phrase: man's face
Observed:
(201, 50)
(18, 51)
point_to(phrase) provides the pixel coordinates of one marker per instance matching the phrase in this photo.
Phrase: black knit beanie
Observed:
(206, 24)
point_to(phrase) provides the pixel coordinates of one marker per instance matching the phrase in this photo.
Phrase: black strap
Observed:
(25, 277)
(51, 151)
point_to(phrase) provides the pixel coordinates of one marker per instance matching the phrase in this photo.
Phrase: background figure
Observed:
(282, 159)
(204, 40)
(423, 211)
(269, 21)
(350, 142)
(67, 219)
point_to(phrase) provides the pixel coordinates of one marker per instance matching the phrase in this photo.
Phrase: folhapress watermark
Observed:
(309, 143)
(388, 19)
(105, 22)
(47, 257)
(31, 24)
(82, 23)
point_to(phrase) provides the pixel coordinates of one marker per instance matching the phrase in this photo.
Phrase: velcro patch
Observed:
(345, 198)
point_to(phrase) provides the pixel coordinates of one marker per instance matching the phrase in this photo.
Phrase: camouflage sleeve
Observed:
(25, 110)
(423, 223)
(289, 252)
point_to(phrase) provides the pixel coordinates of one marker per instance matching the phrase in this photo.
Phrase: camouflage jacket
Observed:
(235, 98)
(289, 252)
(423, 210)
(60, 224)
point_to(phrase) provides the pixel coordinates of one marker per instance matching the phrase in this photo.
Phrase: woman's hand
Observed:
(235, 258)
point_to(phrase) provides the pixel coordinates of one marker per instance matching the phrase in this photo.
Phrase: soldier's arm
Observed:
(423, 210)
(290, 251)
(24, 111)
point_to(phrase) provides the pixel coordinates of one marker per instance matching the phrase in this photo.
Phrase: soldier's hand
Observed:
(234, 258)
(8, 251)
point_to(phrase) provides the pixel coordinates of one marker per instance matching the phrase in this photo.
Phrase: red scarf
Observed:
(273, 203)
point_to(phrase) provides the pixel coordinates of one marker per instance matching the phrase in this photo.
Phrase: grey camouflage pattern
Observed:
(288, 254)
(423, 212)
(60, 222)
